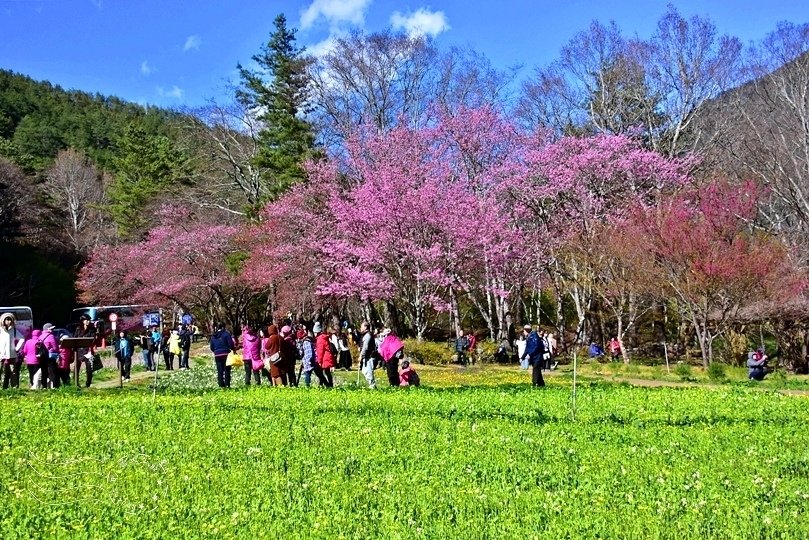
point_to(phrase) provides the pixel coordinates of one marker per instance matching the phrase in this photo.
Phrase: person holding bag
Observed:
(222, 345)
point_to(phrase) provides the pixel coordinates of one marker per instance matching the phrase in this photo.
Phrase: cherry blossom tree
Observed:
(712, 260)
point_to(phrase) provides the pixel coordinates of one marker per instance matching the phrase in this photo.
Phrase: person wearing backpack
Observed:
(52, 349)
(145, 342)
(123, 352)
(324, 353)
(33, 351)
(85, 355)
(11, 344)
(185, 345)
(535, 351)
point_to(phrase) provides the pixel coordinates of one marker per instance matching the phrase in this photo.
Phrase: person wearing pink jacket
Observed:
(391, 350)
(52, 346)
(29, 350)
(251, 345)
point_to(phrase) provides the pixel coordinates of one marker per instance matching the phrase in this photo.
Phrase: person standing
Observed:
(63, 364)
(174, 348)
(221, 346)
(154, 347)
(32, 360)
(534, 351)
(185, 346)
(344, 351)
(123, 353)
(168, 358)
(272, 347)
(615, 348)
(461, 346)
(324, 354)
(52, 348)
(520, 343)
(472, 346)
(289, 354)
(145, 342)
(306, 352)
(85, 355)
(367, 350)
(11, 343)
(251, 347)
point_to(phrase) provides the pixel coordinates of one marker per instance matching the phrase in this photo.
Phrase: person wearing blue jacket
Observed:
(534, 351)
(222, 345)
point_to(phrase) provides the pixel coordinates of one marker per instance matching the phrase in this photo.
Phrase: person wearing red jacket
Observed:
(323, 354)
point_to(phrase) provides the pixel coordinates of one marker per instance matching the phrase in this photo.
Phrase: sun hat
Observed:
(286, 330)
(46, 327)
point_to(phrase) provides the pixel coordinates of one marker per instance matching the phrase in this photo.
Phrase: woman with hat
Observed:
(11, 343)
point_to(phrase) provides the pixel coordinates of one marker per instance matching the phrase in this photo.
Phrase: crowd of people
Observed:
(272, 354)
(315, 351)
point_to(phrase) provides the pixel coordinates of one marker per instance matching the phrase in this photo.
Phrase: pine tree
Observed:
(287, 139)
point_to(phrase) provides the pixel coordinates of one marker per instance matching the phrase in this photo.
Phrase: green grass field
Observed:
(475, 454)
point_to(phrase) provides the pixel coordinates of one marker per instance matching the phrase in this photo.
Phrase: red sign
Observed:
(113, 317)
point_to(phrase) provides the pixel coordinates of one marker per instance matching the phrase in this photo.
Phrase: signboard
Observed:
(151, 319)
(113, 317)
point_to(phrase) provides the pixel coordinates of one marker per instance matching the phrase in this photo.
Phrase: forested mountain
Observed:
(62, 154)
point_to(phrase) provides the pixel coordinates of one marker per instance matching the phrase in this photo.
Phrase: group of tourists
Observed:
(299, 353)
(46, 359)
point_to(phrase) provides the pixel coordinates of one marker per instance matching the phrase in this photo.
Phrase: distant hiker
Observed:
(222, 345)
(534, 351)
(123, 353)
(392, 352)
(85, 354)
(168, 358)
(367, 353)
(461, 346)
(145, 342)
(408, 376)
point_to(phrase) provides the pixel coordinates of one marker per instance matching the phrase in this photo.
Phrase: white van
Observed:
(24, 317)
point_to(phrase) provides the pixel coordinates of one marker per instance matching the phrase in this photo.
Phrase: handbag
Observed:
(272, 359)
(96, 363)
(234, 360)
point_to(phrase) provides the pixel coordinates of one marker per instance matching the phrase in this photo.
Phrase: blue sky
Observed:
(182, 52)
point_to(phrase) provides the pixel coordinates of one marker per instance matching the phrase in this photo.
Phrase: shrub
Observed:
(429, 352)
(684, 372)
(716, 371)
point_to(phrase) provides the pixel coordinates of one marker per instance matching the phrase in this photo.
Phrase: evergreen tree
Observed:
(147, 166)
(287, 139)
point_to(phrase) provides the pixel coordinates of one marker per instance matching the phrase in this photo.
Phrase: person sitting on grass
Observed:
(408, 376)
(757, 365)
(596, 351)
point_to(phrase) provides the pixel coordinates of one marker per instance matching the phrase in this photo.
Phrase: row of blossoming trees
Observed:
(467, 220)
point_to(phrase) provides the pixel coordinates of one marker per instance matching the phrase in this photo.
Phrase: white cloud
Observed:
(336, 12)
(321, 49)
(145, 68)
(192, 42)
(421, 22)
(176, 92)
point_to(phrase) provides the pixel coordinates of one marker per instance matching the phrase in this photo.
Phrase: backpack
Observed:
(41, 352)
(185, 341)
